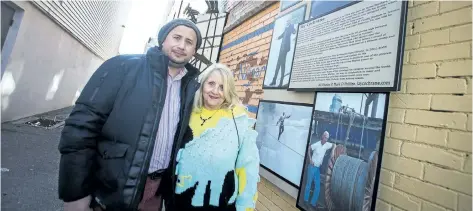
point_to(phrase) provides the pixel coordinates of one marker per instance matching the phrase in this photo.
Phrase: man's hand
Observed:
(312, 162)
(79, 205)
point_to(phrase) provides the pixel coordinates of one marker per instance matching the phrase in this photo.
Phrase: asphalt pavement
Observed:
(29, 164)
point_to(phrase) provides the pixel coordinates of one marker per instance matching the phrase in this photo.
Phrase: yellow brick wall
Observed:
(427, 153)
(427, 164)
(244, 65)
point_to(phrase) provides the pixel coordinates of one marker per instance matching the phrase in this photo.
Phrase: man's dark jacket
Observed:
(108, 139)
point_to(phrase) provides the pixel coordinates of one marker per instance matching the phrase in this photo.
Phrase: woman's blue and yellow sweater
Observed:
(218, 169)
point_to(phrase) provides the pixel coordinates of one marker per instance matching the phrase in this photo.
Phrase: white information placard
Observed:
(358, 47)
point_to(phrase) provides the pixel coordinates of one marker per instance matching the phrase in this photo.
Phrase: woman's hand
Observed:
(79, 205)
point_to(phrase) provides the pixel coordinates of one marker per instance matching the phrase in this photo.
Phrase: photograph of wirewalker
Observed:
(341, 163)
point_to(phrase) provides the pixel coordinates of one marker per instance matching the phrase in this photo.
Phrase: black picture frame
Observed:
(258, 113)
(271, 46)
(380, 149)
(399, 58)
(289, 4)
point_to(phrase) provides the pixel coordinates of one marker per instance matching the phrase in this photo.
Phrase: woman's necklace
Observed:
(205, 120)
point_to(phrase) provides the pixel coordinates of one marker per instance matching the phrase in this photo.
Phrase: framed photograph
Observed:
(343, 154)
(283, 130)
(281, 51)
(335, 53)
(287, 4)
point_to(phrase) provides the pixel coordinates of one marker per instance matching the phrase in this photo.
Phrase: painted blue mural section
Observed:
(249, 36)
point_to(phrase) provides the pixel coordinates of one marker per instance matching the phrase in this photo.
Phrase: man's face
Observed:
(324, 137)
(180, 44)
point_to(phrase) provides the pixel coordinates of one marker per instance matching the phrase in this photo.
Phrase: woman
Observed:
(218, 164)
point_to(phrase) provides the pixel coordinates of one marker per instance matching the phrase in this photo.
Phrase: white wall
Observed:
(47, 67)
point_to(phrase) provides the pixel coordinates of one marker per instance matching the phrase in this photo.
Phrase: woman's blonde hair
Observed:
(229, 91)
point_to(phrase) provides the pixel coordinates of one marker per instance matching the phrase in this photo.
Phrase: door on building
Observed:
(7, 20)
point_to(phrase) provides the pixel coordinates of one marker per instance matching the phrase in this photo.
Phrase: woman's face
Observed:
(212, 91)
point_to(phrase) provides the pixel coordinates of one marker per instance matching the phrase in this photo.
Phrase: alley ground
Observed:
(30, 162)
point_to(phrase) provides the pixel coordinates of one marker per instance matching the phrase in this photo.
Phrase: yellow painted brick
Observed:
(460, 33)
(435, 38)
(402, 165)
(467, 166)
(382, 206)
(469, 86)
(424, 10)
(412, 42)
(426, 206)
(410, 101)
(456, 68)
(426, 191)
(392, 146)
(404, 132)
(436, 119)
(420, 2)
(432, 155)
(437, 86)
(468, 123)
(281, 203)
(398, 198)
(261, 207)
(264, 190)
(405, 59)
(453, 18)
(446, 6)
(396, 209)
(396, 115)
(403, 86)
(464, 203)
(432, 136)
(419, 71)
(388, 130)
(447, 178)
(439, 53)
(451, 103)
(460, 141)
(386, 177)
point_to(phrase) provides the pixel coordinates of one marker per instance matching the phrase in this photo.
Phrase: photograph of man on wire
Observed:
(281, 52)
(340, 166)
(283, 130)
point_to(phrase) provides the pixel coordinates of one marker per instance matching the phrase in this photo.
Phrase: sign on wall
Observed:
(350, 46)
(282, 49)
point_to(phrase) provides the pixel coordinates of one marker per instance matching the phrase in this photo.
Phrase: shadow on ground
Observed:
(30, 162)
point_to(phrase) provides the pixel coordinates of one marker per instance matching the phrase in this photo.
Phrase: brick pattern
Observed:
(248, 58)
(427, 153)
(427, 159)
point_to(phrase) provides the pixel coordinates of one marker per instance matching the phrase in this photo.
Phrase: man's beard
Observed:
(176, 64)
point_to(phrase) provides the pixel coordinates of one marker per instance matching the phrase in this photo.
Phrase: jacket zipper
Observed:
(96, 90)
(148, 152)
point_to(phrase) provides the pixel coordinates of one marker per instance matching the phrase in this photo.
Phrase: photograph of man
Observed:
(316, 153)
(285, 38)
(281, 123)
(281, 52)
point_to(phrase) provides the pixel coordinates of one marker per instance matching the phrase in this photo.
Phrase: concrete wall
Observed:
(46, 69)
(428, 146)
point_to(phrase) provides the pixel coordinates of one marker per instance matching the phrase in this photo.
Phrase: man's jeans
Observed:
(312, 173)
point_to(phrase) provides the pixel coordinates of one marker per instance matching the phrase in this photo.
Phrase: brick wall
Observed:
(428, 147)
(427, 153)
(245, 50)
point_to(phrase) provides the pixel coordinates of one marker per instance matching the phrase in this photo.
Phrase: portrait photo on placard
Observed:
(281, 51)
(320, 8)
(287, 4)
(341, 160)
(283, 129)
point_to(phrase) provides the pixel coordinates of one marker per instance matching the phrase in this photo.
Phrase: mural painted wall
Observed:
(245, 50)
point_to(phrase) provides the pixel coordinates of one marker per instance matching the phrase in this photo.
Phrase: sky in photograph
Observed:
(324, 100)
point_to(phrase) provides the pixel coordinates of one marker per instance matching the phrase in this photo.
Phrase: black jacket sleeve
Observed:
(83, 127)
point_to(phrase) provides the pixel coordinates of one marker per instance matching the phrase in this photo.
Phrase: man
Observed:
(283, 51)
(318, 152)
(281, 123)
(120, 139)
